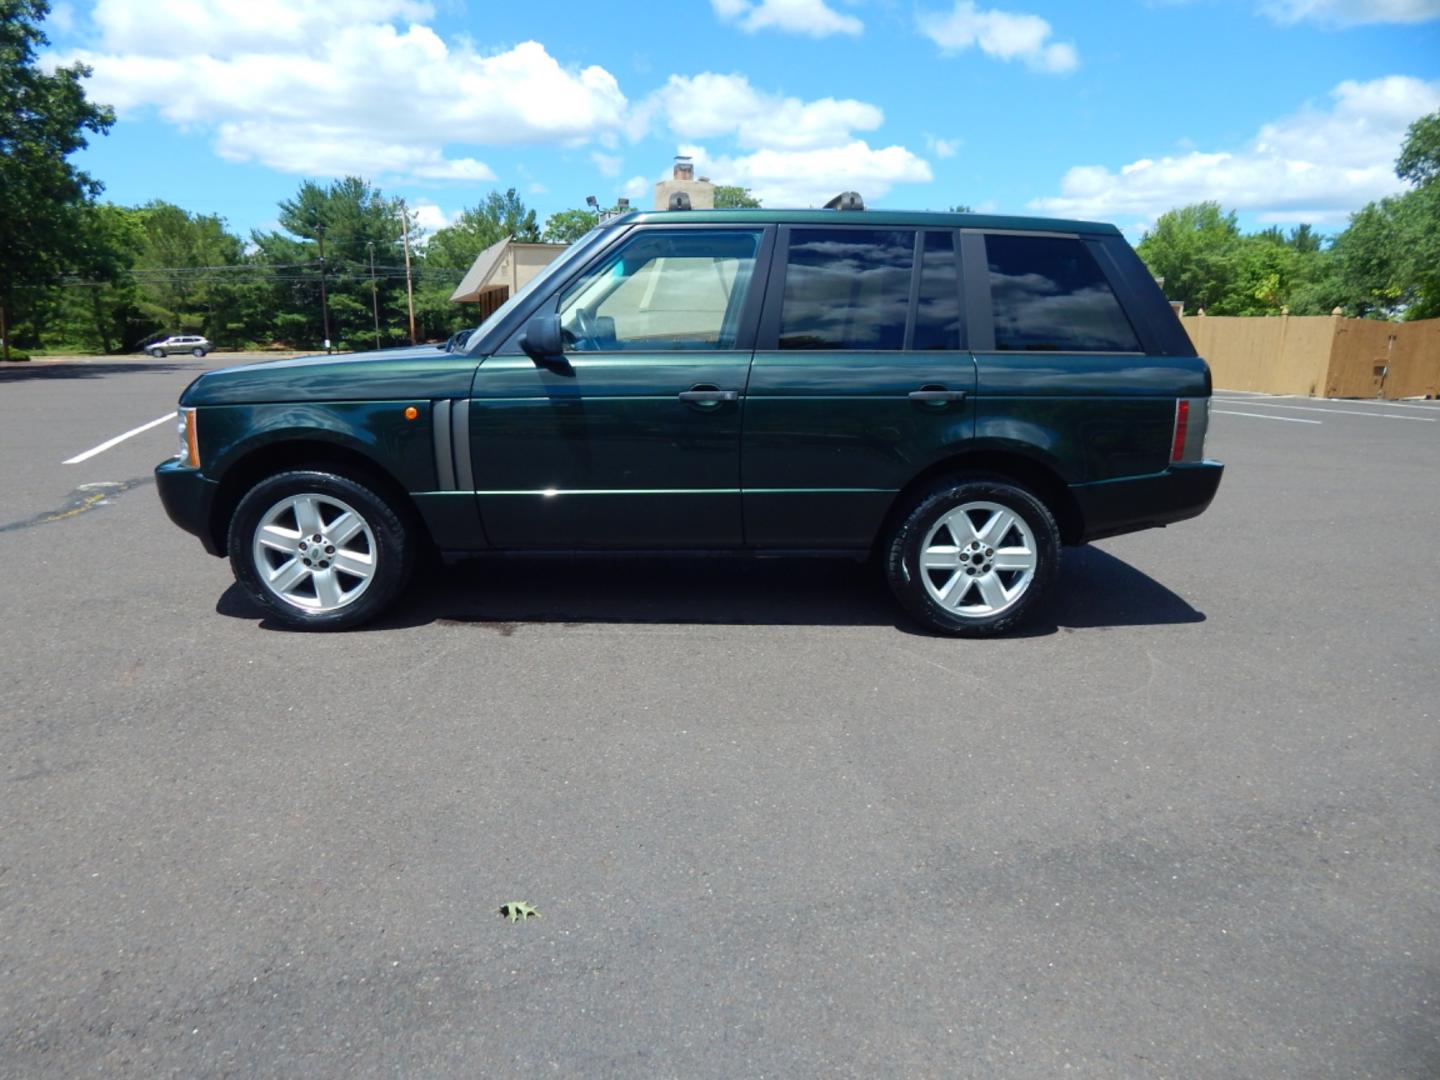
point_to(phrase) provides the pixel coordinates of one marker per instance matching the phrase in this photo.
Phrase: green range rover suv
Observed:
(955, 394)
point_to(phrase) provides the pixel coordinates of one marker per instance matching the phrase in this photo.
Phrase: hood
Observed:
(414, 371)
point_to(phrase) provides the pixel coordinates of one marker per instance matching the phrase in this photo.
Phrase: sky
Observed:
(1283, 110)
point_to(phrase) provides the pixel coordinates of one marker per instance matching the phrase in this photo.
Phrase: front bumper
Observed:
(1112, 507)
(188, 497)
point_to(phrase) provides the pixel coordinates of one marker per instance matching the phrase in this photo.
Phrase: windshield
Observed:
(584, 244)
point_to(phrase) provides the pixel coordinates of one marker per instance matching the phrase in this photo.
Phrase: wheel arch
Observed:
(1042, 480)
(287, 454)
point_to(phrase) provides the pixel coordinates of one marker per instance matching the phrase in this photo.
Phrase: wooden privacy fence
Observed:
(1320, 355)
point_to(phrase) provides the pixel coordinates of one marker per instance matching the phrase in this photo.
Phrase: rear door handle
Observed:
(708, 395)
(936, 395)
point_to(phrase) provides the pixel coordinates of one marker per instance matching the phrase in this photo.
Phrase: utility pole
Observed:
(324, 302)
(374, 292)
(409, 283)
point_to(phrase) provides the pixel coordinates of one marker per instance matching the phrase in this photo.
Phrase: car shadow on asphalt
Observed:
(95, 369)
(1094, 590)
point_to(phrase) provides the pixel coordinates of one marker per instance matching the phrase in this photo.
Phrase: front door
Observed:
(634, 440)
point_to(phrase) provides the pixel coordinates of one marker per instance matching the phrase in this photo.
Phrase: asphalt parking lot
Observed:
(1187, 826)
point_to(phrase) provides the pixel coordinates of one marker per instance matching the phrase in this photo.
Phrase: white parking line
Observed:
(1267, 416)
(1253, 398)
(1342, 412)
(117, 440)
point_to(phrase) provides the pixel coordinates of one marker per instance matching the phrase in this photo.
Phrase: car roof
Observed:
(927, 219)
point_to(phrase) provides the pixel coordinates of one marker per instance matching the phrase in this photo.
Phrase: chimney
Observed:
(684, 168)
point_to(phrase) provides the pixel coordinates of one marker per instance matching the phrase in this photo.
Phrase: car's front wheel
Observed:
(197, 352)
(318, 550)
(158, 354)
(973, 557)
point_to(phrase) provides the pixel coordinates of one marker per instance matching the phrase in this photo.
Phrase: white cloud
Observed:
(1004, 35)
(608, 164)
(637, 187)
(61, 19)
(790, 152)
(703, 106)
(431, 218)
(943, 148)
(183, 27)
(1352, 12)
(812, 17)
(781, 178)
(1317, 165)
(314, 87)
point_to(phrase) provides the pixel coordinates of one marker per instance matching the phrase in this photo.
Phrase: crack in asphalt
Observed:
(85, 497)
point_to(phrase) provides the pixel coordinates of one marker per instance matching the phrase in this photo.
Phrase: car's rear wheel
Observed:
(197, 352)
(973, 556)
(318, 550)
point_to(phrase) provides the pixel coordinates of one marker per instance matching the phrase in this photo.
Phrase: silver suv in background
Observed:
(180, 343)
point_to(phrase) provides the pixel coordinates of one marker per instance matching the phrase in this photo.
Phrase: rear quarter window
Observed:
(1049, 295)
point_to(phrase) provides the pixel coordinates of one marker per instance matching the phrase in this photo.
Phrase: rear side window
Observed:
(1048, 294)
(937, 313)
(847, 289)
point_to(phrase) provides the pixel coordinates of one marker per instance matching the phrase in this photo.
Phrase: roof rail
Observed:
(846, 200)
(679, 200)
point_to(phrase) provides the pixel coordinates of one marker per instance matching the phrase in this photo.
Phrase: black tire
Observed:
(393, 547)
(197, 352)
(158, 354)
(902, 561)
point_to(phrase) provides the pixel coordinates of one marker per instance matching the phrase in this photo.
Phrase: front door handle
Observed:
(704, 394)
(936, 395)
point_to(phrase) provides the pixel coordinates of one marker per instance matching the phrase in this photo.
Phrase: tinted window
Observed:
(937, 317)
(847, 289)
(663, 291)
(1048, 293)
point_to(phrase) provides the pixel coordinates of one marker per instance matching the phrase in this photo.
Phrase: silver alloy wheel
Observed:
(978, 559)
(314, 552)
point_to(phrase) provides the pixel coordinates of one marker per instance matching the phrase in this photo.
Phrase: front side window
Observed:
(847, 289)
(663, 291)
(1049, 294)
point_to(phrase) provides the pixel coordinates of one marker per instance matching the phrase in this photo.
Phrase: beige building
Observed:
(701, 192)
(500, 271)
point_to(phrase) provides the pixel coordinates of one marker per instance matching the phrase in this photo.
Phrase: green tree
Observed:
(1304, 239)
(44, 119)
(108, 316)
(451, 251)
(1386, 258)
(1386, 264)
(1195, 250)
(182, 268)
(1419, 160)
(481, 226)
(319, 265)
(734, 197)
(567, 226)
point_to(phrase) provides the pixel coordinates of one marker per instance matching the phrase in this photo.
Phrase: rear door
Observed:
(634, 440)
(861, 378)
(1068, 373)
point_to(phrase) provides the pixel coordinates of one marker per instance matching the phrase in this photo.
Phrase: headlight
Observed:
(189, 449)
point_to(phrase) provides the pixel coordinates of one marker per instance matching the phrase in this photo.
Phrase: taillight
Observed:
(1192, 417)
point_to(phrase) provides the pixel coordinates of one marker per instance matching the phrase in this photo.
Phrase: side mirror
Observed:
(542, 342)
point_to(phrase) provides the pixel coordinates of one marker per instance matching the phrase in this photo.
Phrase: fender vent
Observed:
(451, 418)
